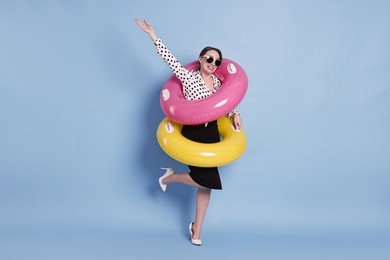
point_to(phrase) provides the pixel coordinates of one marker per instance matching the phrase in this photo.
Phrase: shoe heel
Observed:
(195, 242)
(169, 171)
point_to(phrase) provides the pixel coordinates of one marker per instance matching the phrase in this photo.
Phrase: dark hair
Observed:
(208, 48)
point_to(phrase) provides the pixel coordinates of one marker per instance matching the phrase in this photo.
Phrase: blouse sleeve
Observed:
(232, 113)
(181, 73)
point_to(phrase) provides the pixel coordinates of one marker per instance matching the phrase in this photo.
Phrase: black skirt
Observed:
(206, 177)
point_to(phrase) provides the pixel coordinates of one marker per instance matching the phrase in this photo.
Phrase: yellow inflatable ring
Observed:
(230, 148)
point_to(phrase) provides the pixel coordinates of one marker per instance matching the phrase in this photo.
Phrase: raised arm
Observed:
(181, 73)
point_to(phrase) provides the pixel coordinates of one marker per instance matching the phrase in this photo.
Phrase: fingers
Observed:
(236, 124)
(139, 23)
(237, 121)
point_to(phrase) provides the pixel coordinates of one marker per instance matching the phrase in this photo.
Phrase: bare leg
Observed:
(183, 178)
(202, 199)
(202, 203)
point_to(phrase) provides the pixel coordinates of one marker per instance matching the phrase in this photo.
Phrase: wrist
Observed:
(153, 36)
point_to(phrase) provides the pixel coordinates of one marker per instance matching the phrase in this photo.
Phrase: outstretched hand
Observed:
(147, 27)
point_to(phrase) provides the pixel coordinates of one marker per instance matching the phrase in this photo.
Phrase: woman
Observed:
(196, 85)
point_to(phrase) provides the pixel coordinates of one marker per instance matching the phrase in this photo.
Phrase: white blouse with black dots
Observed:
(194, 86)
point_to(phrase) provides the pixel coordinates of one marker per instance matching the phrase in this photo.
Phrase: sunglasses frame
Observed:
(210, 60)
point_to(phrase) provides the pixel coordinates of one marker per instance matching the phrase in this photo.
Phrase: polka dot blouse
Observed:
(194, 86)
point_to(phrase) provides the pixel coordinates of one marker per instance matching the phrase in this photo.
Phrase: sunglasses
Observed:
(210, 60)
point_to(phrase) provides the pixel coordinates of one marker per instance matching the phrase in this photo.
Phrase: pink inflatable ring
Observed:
(194, 112)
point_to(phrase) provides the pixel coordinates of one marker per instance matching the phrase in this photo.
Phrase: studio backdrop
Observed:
(80, 85)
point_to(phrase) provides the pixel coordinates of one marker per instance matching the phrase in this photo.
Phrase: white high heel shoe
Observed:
(169, 171)
(196, 242)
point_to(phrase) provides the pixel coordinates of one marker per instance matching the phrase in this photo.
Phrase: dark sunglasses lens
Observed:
(211, 59)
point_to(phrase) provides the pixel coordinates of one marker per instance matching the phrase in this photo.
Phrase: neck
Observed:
(205, 75)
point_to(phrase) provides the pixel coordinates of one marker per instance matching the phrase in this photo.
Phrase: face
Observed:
(206, 67)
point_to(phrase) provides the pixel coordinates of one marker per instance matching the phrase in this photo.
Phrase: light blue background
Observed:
(79, 107)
